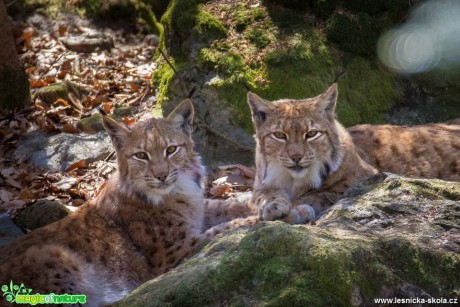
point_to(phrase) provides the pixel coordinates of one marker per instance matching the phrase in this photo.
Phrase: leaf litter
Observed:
(107, 77)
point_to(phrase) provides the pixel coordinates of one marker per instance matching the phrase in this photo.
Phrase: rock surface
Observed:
(41, 213)
(8, 230)
(388, 237)
(57, 152)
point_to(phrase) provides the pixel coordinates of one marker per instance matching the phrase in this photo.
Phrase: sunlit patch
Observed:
(430, 39)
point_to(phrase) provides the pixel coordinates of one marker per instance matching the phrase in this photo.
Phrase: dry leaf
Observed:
(76, 165)
(26, 194)
(13, 204)
(62, 29)
(13, 183)
(128, 121)
(220, 190)
(60, 102)
(64, 184)
(38, 83)
(5, 195)
(68, 128)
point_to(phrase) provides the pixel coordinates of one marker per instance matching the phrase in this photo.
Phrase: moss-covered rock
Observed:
(61, 90)
(41, 213)
(382, 240)
(277, 51)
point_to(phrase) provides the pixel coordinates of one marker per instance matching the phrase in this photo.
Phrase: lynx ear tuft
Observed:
(327, 101)
(117, 131)
(182, 116)
(260, 108)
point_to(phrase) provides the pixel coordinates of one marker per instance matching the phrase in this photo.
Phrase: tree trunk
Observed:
(14, 85)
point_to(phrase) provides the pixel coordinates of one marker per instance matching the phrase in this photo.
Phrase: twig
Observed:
(192, 91)
(165, 57)
(246, 85)
(339, 76)
(8, 4)
(167, 60)
(99, 108)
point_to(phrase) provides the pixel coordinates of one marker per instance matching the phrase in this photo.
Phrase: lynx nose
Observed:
(296, 158)
(161, 173)
(161, 177)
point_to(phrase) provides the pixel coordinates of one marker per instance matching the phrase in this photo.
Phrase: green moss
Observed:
(209, 27)
(434, 271)
(55, 91)
(180, 20)
(258, 37)
(161, 79)
(362, 28)
(293, 62)
(366, 93)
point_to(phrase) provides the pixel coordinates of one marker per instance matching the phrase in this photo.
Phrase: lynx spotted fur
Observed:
(305, 159)
(150, 216)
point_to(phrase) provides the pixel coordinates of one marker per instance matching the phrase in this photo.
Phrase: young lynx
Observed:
(305, 159)
(425, 151)
(149, 216)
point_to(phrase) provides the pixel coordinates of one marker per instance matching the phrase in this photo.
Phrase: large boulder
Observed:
(388, 237)
(56, 152)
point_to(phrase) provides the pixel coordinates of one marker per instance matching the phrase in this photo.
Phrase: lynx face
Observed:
(156, 156)
(296, 139)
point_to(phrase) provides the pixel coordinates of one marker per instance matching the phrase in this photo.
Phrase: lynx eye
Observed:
(312, 133)
(279, 135)
(141, 155)
(170, 150)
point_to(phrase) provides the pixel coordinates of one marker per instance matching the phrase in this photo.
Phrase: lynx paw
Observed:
(301, 214)
(273, 210)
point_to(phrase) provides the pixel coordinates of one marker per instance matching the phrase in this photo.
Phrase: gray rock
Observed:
(8, 230)
(407, 247)
(41, 213)
(219, 140)
(57, 152)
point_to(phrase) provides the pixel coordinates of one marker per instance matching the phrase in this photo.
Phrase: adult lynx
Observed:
(305, 159)
(146, 220)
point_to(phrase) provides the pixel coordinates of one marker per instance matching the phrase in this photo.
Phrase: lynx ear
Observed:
(260, 108)
(327, 101)
(117, 131)
(182, 116)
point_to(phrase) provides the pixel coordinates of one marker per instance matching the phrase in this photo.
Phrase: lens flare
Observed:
(429, 39)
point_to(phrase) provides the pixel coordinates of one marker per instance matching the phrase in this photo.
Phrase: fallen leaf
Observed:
(69, 128)
(220, 190)
(13, 204)
(76, 165)
(60, 102)
(13, 183)
(5, 195)
(38, 83)
(107, 106)
(128, 121)
(62, 29)
(26, 194)
(64, 184)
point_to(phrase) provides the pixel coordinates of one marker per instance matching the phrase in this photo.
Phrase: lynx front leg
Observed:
(312, 205)
(300, 214)
(272, 204)
(233, 224)
(218, 211)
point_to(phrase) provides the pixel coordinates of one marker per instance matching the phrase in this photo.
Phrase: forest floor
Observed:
(108, 77)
